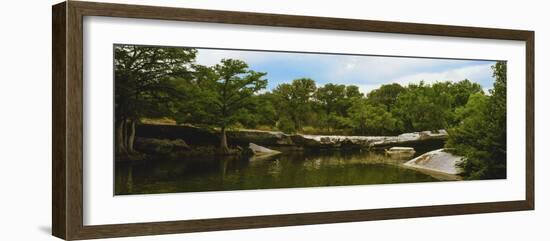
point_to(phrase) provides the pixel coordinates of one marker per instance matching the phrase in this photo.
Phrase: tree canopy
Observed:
(221, 95)
(480, 135)
(143, 87)
(166, 82)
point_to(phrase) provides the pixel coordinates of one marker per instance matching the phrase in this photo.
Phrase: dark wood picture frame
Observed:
(67, 152)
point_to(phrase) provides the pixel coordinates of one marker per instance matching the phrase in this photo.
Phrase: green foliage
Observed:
(330, 97)
(286, 125)
(293, 101)
(423, 107)
(334, 101)
(143, 78)
(386, 95)
(261, 111)
(221, 94)
(164, 82)
(368, 119)
(143, 75)
(481, 134)
(461, 91)
(336, 121)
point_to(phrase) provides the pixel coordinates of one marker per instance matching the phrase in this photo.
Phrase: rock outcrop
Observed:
(268, 138)
(400, 152)
(198, 136)
(379, 142)
(437, 161)
(259, 152)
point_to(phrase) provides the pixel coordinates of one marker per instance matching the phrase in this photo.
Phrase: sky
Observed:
(366, 72)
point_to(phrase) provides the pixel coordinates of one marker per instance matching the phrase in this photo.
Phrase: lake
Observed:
(288, 170)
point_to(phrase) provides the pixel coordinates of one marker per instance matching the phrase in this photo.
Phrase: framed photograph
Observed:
(171, 120)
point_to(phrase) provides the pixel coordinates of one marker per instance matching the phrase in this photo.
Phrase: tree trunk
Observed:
(131, 136)
(120, 145)
(296, 121)
(223, 167)
(224, 149)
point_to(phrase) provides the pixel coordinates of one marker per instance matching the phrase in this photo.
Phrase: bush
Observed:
(286, 125)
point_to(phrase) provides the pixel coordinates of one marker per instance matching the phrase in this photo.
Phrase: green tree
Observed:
(224, 92)
(386, 95)
(334, 101)
(368, 119)
(422, 107)
(481, 134)
(352, 92)
(286, 125)
(330, 96)
(462, 90)
(459, 93)
(467, 139)
(260, 111)
(294, 101)
(143, 78)
(329, 99)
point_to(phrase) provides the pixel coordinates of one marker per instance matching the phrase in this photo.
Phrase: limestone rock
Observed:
(271, 138)
(400, 150)
(322, 141)
(438, 161)
(260, 150)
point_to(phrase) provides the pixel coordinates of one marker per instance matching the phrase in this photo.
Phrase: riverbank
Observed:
(200, 136)
(266, 157)
(180, 141)
(173, 142)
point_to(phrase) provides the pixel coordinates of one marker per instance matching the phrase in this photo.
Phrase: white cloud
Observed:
(474, 73)
(367, 72)
(377, 68)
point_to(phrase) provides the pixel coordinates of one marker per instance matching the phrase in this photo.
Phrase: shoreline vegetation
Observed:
(167, 103)
(165, 140)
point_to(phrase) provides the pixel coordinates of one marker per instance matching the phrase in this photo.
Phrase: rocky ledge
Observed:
(437, 161)
(197, 136)
(377, 142)
(259, 152)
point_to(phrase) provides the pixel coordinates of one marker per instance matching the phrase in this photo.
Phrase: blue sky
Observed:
(367, 72)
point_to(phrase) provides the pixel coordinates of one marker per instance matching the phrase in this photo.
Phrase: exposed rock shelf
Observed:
(368, 141)
(437, 161)
(198, 136)
(260, 152)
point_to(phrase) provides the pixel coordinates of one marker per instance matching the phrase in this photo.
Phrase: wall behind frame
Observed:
(25, 123)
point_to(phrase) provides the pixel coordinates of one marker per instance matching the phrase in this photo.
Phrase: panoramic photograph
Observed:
(192, 119)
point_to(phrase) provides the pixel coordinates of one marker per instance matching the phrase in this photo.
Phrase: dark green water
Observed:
(292, 169)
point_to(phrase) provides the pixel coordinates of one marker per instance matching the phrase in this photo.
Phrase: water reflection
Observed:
(290, 169)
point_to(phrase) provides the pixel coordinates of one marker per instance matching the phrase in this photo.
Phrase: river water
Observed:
(287, 170)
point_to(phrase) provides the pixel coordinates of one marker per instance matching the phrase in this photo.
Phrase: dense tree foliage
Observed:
(334, 102)
(221, 96)
(369, 119)
(294, 101)
(153, 82)
(386, 95)
(143, 86)
(480, 136)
